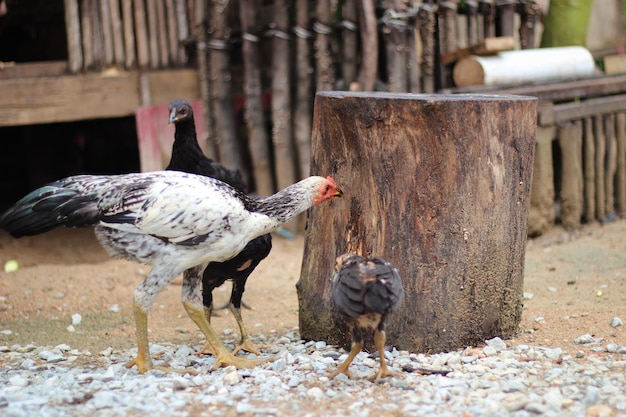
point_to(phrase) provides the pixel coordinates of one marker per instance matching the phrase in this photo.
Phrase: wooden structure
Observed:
(255, 71)
(580, 160)
(439, 185)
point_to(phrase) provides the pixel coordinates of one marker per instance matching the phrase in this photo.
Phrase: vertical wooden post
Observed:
(86, 6)
(258, 138)
(437, 184)
(541, 214)
(129, 34)
(117, 29)
(303, 107)
(72, 27)
(600, 147)
(426, 21)
(620, 179)
(570, 142)
(610, 164)
(141, 34)
(589, 167)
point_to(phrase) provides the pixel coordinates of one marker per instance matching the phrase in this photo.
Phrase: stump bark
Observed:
(439, 185)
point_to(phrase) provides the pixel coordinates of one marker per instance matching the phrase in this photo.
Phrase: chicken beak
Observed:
(338, 193)
(173, 118)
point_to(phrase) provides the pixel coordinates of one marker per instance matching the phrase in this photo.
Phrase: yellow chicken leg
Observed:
(245, 343)
(343, 368)
(143, 360)
(379, 340)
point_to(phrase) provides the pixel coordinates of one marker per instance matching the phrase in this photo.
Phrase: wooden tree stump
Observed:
(439, 185)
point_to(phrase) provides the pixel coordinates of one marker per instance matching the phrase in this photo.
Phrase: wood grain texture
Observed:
(439, 185)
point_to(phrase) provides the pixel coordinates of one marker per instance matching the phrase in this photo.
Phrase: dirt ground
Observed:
(577, 281)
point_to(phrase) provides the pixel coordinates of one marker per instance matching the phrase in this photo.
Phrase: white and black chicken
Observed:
(173, 221)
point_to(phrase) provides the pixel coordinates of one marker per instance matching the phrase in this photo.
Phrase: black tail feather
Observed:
(46, 208)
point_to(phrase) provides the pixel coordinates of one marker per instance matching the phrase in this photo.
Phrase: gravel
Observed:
(492, 380)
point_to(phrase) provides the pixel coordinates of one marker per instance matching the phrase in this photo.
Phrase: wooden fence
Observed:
(249, 50)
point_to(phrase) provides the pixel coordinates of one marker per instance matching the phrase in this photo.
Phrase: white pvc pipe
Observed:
(525, 66)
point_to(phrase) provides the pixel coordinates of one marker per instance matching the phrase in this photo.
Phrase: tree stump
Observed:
(439, 185)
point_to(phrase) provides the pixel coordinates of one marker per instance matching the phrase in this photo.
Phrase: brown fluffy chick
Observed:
(365, 292)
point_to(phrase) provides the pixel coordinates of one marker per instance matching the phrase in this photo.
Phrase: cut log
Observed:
(570, 142)
(439, 185)
(615, 64)
(525, 66)
(488, 46)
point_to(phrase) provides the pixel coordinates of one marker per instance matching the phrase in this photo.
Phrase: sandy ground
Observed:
(577, 281)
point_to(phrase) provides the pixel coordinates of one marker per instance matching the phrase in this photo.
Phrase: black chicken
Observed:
(365, 292)
(188, 157)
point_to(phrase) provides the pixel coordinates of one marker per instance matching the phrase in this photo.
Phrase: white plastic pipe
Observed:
(524, 66)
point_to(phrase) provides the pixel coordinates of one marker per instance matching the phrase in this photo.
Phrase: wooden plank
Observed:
(487, 46)
(33, 69)
(564, 113)
(570, 90)
(615, 64)
(172, 32)
(105, 18)
(153, 35)
(168, 85)
(67, 98)
(72, 29)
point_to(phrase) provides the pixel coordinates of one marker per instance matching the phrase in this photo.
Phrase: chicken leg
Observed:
(143, 360)
(343, 368)
(379, 340)
(245, 343)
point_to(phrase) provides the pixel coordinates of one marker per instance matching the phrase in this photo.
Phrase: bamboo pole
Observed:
(472, 21)
(200, 34)
(225, 133)
(86, 7)
(258, 138)
(395, 46)
(153, 37)
(529, 14)
(304, 83)
(117, 29)
(349, 37)
(600, 146)
(488, 11)
(183, 30)
(98, 34)
(72, 26)
(426, 20)
(129, 34)
(172, 31)
(610, 164)
(105, 18)
(505, 12)
(570, 141)
(369, 45)
(620, 178)
(161, 33)
(323, 59)
(589, 167)
(281, 101)
(141, 34)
